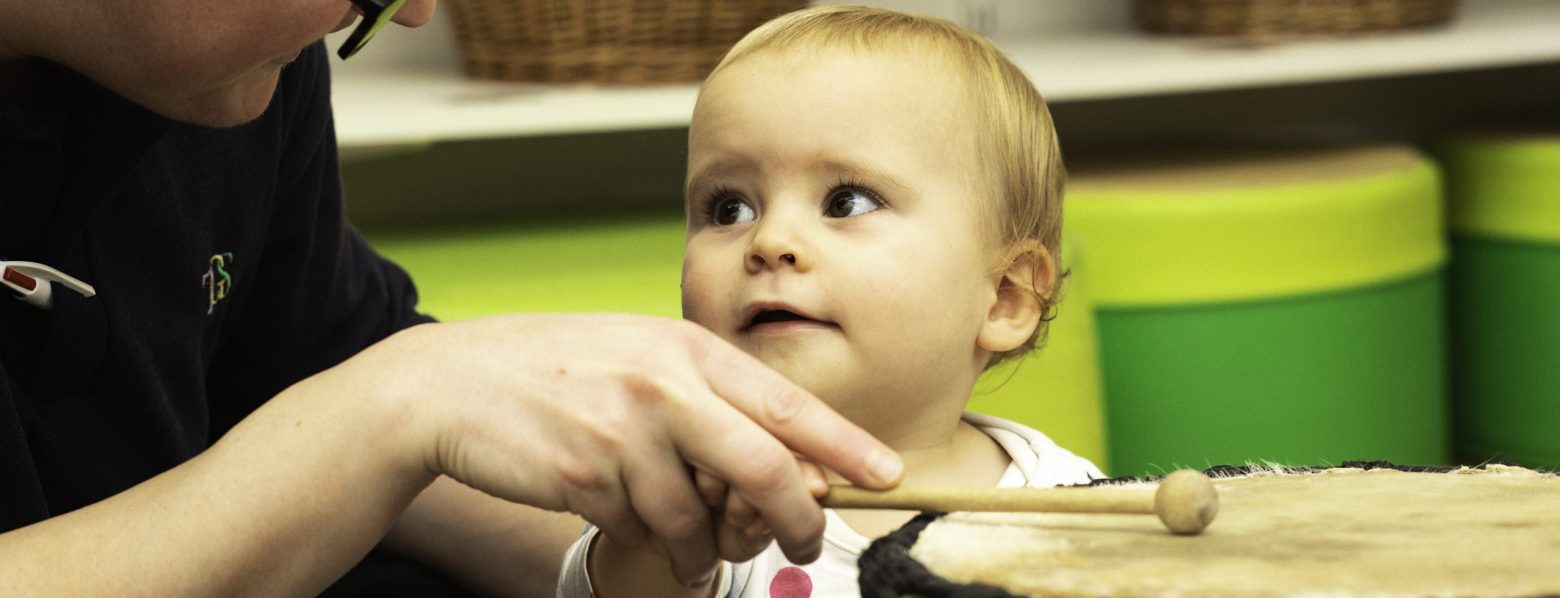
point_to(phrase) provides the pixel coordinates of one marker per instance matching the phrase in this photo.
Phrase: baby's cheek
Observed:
(697, 308)
(701, 294)
(697, 316)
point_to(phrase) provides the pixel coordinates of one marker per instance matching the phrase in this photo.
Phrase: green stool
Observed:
(635, 266)
(632, 266)
(1504, 215)
(1279, 306)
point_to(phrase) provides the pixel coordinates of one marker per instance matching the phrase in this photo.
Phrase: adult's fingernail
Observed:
(704, 580)
(885, 466)
(817, 486)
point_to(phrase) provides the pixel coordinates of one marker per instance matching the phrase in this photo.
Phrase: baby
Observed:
(874, 211)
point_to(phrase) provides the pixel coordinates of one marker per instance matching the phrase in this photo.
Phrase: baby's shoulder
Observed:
(1041, 461)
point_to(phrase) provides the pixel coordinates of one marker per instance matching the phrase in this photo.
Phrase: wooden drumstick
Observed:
(1186, 500)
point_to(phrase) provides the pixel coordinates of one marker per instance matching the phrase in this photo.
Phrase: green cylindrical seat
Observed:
(1503, 194)
(630, 265)
(1267, 305)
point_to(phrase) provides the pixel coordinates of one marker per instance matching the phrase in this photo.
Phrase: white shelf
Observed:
(413, 102)
(412, 108)
(1487, 34)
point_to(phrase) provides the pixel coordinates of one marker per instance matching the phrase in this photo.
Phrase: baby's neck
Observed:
(964, 456)
(957, 455)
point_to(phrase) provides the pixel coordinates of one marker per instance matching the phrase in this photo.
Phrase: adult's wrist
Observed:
(387, 386)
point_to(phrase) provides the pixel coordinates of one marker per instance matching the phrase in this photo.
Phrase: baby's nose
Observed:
(775, 251)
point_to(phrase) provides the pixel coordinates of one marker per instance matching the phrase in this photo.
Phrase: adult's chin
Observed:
(229, 105)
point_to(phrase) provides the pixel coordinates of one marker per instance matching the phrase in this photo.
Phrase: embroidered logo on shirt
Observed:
(217, 281)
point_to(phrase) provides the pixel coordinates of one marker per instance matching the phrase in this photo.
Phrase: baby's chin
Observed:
(828, 371)
(836, 387)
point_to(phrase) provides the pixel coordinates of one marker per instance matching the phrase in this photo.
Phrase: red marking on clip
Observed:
(21, 280)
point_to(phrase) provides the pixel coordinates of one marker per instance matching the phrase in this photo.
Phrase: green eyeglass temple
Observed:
(375, 14)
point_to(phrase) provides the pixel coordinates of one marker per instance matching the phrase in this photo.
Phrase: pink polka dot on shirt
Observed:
(791, 582)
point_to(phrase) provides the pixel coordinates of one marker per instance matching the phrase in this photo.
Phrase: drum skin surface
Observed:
(1355, 531)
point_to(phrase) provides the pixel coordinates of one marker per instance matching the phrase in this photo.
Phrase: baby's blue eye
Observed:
(846, 202)
(732, 210)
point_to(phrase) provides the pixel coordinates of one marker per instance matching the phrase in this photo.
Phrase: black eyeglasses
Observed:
(375, 14)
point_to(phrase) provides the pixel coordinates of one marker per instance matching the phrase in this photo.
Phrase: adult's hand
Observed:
(602, 415)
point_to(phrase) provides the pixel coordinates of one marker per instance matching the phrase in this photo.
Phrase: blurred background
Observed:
(1299, 232)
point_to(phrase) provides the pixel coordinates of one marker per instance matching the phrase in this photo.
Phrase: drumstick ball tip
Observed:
(1186, 501)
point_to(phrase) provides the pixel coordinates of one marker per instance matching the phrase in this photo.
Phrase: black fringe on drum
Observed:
(888, 571)
(1235, 471)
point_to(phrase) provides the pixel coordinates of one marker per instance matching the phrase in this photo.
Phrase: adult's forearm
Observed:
(492, 546)
(282, 505)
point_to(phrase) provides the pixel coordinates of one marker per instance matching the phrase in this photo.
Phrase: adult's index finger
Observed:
(800, 420)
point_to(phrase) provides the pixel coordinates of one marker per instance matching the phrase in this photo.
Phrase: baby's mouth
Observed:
(770, 318)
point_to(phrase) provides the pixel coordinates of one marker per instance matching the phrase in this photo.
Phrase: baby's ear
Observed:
(1022, 291)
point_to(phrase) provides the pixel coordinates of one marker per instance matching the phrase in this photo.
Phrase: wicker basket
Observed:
(608, 41)
(1264, 19)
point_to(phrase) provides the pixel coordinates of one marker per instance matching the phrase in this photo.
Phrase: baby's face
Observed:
(834, 225)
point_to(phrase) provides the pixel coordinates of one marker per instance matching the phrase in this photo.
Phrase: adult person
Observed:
(247, 404)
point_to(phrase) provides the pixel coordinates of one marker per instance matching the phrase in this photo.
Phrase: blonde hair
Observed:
(1016, 136)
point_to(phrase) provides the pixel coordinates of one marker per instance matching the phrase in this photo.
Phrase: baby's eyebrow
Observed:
(715, 171)
(841, 167)
(874, 175)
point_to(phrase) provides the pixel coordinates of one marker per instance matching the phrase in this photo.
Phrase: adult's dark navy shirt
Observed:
(224, 269)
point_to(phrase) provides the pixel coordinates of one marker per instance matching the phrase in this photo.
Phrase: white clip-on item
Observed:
(33, 282)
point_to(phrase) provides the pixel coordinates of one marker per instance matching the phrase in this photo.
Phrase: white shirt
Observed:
(1037, 462)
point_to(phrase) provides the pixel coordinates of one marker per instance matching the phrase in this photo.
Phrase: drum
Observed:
(1360, 529)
